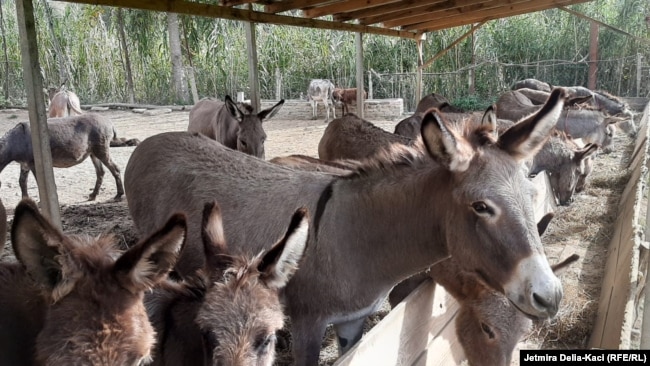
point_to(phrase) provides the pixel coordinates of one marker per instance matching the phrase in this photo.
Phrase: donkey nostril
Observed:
(541, 301)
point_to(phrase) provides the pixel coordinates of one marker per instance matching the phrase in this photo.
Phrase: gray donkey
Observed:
(463, 194)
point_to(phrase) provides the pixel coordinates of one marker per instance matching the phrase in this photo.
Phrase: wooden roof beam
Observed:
(281, 6)
(418, 12)
(236, 2)
(435, 25)
(383, 9)
(468, 7)
(345, 6)
(217, 11)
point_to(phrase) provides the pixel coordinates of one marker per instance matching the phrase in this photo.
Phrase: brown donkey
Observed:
(75, 300)
(463, 195)
(237, 127)
(63, 103)
(72, 140)
(228, 312)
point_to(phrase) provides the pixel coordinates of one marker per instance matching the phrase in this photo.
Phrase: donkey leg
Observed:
(113, 168)
(99, 170)
(306, 336)
(22, 179)
(349, 333)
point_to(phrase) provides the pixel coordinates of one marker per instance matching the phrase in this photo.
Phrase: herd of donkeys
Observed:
(320, 240)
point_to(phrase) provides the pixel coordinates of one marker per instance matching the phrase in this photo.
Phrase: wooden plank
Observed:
(406, 332)
(383, 9)
(452, 45)
(416, 10)
(443, 350)
(431, 24)
(544, 201)
(442, 12)
(280, 6)
(217, 11)
(616, 309)
(37, 118)
(344, 6)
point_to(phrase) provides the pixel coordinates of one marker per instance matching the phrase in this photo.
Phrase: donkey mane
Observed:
(612, 97)
(397, 156)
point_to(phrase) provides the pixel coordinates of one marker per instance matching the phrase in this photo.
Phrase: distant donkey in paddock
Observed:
(410, 126)
(463, 194)
(303, 162)
(228, 312)
(237, 127)
(321, 90)
(63, 102)
(488, 326)
(77, 300)
(72, 140)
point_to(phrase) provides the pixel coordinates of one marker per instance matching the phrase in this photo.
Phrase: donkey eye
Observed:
(487, 330)
(243, 143)
(262, 343)
(481, 208)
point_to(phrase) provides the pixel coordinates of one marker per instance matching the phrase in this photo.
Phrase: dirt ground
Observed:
(584, 227)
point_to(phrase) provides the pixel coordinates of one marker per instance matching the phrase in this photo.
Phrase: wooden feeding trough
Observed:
(421, 330)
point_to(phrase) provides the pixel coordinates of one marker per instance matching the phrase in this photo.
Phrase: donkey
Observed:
(76, 300)
(567, 165)
(464, 188)
(589, 124)
(338, 138)
(237, 127)
(532, 84)
(410, 126)
(488, 326)
(72, 140)
(602, 101)
(228, 312)
(63, 103)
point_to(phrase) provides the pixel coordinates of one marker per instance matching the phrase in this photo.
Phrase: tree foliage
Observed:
(552, 45)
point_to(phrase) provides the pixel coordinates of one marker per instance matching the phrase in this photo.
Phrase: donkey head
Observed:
(490, 227)
(571, 174)
(241, 310)
(251, 135)
(96, 315)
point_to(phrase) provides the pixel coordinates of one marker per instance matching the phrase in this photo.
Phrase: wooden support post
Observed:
(278, 84)
(253, 80)
(360, 103)
(593, 55)
(370, 92)
(418, 75)
(36, 106)
(639, 71)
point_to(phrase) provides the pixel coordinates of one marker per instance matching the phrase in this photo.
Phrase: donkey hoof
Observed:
(117, 198)
(92, 197)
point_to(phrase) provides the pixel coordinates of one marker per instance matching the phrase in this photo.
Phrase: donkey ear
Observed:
(558, 268)
(214, 239)
(526, 137)
(543, 223)
(36, 244)
(233, 109)
(3, 227)
(444, 144)
(281, 261)
(270, 112)
(586, 152)
(148, 262)
(489, 119)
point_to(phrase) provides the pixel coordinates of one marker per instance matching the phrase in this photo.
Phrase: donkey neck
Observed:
(391, 224)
